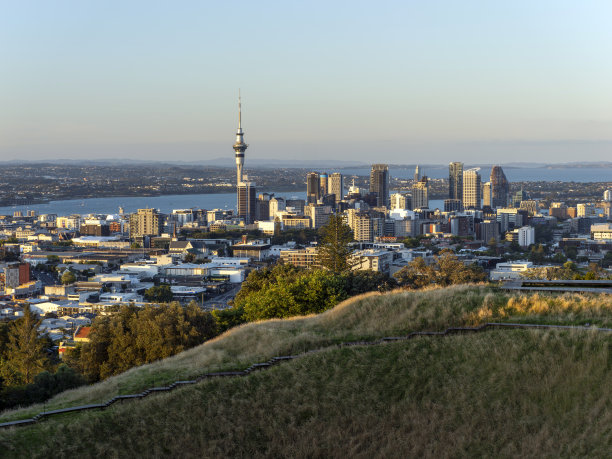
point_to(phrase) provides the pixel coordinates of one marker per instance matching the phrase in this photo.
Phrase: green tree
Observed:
(189, 257)
(159, 294)
(68, 277)
(334, 252)
(537, 254)
(135, 336)
(25, 353)
(446, 269)
(559, 258)
(416, 275)
(310, 292)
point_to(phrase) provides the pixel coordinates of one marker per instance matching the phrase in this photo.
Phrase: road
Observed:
(220, 301)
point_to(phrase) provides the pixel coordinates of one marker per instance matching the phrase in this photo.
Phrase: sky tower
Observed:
(239, 146)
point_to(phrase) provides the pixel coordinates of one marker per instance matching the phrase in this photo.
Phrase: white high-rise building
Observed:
(471, 189)
(399, 201)
(526, 236)
(607, 195)
(276, 205)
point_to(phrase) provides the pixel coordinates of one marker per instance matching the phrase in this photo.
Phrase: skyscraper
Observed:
(417, 174)
(471, 189)
(500, 188)
(323, 181)
(455, 180)
(247, 202)
(379, 184)
(336, 186)
(486, 194)
(313, 187)
(420, 194)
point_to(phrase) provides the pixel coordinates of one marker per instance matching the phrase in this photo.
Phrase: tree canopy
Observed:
(445, 270)
(135, 336)
(286, 290)
(68, 277)
(159, 294)
(334, 252)
(25, 354)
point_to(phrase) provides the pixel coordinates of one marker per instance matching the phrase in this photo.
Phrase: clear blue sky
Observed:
(403, 82)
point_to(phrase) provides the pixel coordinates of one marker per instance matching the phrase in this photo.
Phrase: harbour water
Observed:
(228, 200)
(132, 203)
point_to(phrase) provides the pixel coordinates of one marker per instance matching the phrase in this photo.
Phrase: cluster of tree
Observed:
(27, 372)
(159, 294)
(287, 290)
(445, 270)
(569, 271)
(134, 336)
(46, 384)
(300, 236)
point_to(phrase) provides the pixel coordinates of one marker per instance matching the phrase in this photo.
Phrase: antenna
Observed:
(239, 110)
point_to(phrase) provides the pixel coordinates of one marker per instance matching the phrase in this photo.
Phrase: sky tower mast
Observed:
(239, 146)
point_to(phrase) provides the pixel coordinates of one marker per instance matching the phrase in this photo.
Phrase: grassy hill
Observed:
(505, 392)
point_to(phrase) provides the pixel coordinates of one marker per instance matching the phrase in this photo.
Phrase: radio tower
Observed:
(246, 204)
(239, 146)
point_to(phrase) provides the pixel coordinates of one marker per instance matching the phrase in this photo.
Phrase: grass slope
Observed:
(368, 316)
(500, 393)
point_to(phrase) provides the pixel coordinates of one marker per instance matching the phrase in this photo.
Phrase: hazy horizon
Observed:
(396, 82)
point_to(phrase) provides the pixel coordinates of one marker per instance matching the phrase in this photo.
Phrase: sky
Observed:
(402, 82)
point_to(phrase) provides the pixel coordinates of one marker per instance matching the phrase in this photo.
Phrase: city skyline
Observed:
(399, 81)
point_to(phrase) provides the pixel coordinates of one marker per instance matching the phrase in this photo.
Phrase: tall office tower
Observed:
(417, 174)
(455, 181)
(471, 189)
(420, 194)
(239, 147)
(500, 188)
(379, 184)
(247, 202)
(336, 186)
(146, 222)
(324, 183)
(486, 194)
(607, 196)
(313, 187)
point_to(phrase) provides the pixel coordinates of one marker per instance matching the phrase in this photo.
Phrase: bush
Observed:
(45, 386)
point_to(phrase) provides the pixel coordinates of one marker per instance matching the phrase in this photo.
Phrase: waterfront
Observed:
(164, 203)
(132, 203)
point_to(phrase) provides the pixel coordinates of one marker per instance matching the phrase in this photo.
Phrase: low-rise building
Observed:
(306, 258)
(510, 270)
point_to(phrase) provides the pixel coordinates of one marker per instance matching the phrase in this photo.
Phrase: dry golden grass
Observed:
(367, 316)
(501, 393)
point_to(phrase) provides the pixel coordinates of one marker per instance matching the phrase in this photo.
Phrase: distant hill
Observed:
(498, 393)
